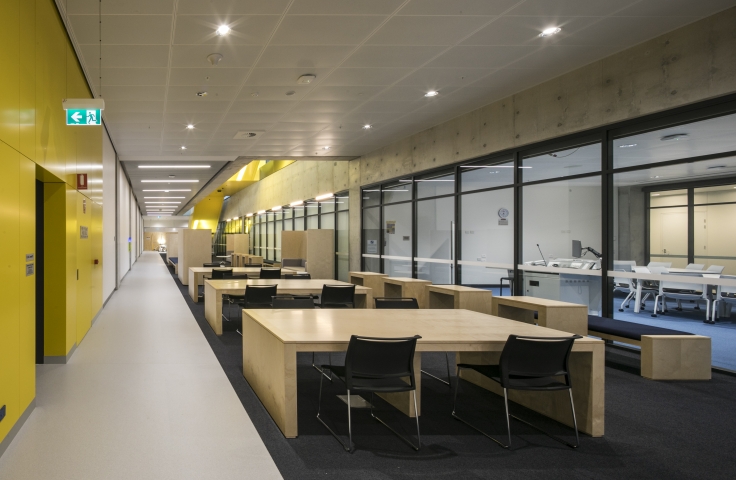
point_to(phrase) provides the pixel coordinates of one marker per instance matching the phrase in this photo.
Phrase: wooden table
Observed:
(368, 279)
(459, 297)
(396, 287)
(214, 289)
(197, 275)
(568, 317)
(272, 338)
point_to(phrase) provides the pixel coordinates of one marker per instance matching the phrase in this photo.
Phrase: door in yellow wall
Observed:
(84, 265)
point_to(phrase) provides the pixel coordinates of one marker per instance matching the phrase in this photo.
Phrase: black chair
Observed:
(293, 301)
(528, 363)
(241, 276)
(510, 279)
(218, 264)
(255, 296)
(376, 365)
(337, 296)
(297, 276)
(217, 274)
(270, 273)
(411, 303)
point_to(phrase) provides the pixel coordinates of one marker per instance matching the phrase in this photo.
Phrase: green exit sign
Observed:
(83, 117)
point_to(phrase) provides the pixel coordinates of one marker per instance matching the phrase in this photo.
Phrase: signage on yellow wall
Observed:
(83, 232)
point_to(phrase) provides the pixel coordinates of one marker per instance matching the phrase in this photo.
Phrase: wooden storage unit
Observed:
(195, 249)
(396, 287)
(237, 243)
(457, 296)
(568, 317)
(368, 279)
(172, 244)
(316, 247)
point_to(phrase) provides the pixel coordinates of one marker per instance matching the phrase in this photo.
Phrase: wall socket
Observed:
(2, 412)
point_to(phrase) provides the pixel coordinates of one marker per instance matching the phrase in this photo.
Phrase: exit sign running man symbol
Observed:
(83, 117)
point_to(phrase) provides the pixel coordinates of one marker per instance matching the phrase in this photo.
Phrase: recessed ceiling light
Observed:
(167, 191)
(229, 219)
(248, 214)
(169, 181)
(326, 148)
(276, 208)
(183, 147)
(161, 197)
(202, 94)
(173, 166)
(325, 196)
(261, 212)
(367, 126)
(306, 79)
(627, 145)
(432, 93)
(222, 30)
(301, 202)
(175, 203)
(674, 136)
(190, 127)
(548, 32)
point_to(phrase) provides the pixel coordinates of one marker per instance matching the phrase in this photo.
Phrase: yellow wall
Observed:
(206, 213)
(38, 69)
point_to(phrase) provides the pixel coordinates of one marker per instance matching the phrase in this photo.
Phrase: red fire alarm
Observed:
(81, 181)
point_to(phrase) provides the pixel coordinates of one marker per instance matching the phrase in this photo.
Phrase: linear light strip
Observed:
(173, 166)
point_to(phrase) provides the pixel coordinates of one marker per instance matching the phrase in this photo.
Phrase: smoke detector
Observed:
(201, 94)
(248, 135)
(214, 58)
(306, 79)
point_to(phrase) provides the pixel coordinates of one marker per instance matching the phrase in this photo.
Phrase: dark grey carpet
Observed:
(657, 430)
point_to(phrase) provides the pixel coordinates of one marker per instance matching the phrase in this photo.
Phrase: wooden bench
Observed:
(665, 354)
(174, 262)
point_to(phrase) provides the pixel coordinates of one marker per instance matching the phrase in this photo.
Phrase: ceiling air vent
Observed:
(248, 135)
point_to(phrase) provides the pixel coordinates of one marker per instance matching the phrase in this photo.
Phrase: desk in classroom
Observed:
(214, 289)
(368, 279)
(401, 287)
(272, 338)
(197, 275)
(459, 297)
(568, 317)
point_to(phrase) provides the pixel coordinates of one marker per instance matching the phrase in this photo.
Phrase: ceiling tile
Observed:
(194, 118)
(457, 7)
(200, 128)
(129, 117)
(390, 106)
(133, 127)
(253, 118)
(325, 29)
(109, 7)
(437, 78)
(299, 127)
(194, 106)
(258, 93)
(132, 106)
(204, 77)
(407, 93)
(525, 30)
(343, 93)
(127, 56)
(138, 93)
(303, 57)
(426, 30)
(262, 106)
(246, 29)
(365, 76)
(128, 76)
(488, 57)
(234, 56)
(122, 29)
(607, 31)
(273, 136)
(570, 8)
(376, 56)
(340, 7)
(281, 76)
(226, 8)
(325, 106)
(311, 116)
(685, 8)
(215, 94)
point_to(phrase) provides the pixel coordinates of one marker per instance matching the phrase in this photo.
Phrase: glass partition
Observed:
(397, 227)
(435, 240)
(371, 239)
(492, 173)
(562, 163)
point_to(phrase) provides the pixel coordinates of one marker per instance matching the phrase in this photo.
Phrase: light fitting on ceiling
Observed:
(172, 176)
(367, 126)
(154, 198)
(276, 208)
(183, 147)
(306, 79)
(173, 166)
(214, 58)
(674, 136)
(222, 30)
(326, 148)
(290, 93)
(190, 127)
(167, 191)
(167, 203)
(248, 214)
(169, 181)
(325, 196)
(297, 203)
(431, 93)
(261, 212)
(548, 32)
(202, 94)
(627, 145)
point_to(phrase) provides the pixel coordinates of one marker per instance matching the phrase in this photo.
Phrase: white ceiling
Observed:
(374, 60)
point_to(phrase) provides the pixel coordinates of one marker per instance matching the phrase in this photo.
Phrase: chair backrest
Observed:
(338, 295)
(535, 357)
(672, 285)
(695, 266)
(624, 265)
(715, 269)
(270, 273)
(219, 273)
(622, 282)
(510, 273)
(725, 288)
(374, 357)
(260, 294)
(660, 264)
(408, 303)
(293, 301)
(297, 276)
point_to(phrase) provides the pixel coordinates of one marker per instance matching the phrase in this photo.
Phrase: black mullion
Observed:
(562, 179)
(518, 233)
(381, 249)
(647, 227)
(458, 228)
(690, 225)
(414, 229)
(607, 226)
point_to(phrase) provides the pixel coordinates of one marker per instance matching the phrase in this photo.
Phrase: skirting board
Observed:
(16, 428)
(60, 359)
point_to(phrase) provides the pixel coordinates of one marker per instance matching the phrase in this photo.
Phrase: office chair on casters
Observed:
(528, 363)
(337, 296)
(270, 273)
(411, 303)
(373, 365)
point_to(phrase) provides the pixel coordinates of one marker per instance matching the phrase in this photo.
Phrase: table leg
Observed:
(193, 286)
(637, 299)
(403, 400)
(364, 300)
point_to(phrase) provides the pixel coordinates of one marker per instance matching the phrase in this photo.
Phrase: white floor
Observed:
(143, 397)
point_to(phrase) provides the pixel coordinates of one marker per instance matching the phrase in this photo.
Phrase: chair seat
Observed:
(515, 382)
(370, 384)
